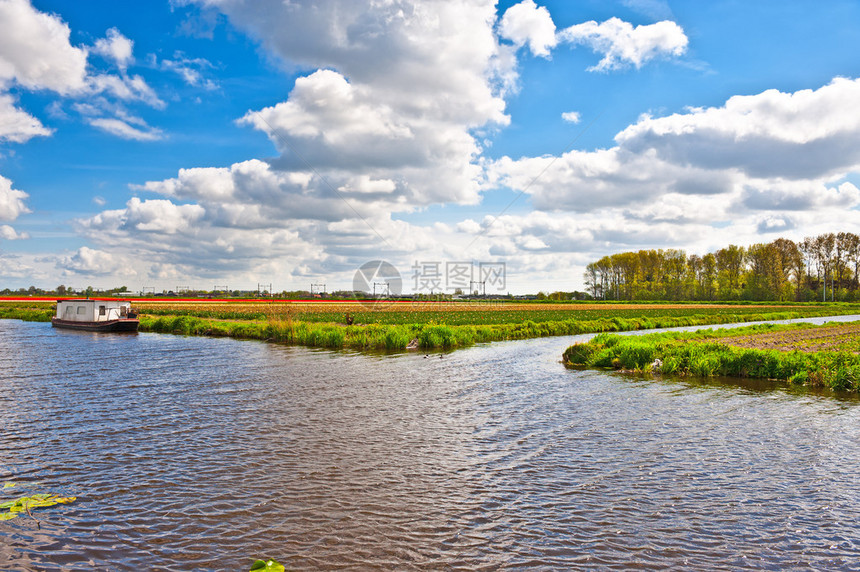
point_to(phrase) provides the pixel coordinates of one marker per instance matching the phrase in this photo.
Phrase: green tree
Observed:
(730, 264)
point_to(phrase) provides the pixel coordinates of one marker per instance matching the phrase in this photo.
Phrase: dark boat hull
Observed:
(121, 325)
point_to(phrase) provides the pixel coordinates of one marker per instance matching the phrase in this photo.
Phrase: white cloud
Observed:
(35, 51)
(527, 23)
(381, 123)
(149, 216)
(330, 124)
(122, 129)
(397, 93)
(775, 224)
(571, 116)
(11, 201)
(14, 266)
(36, 54)
(621, 44)
(771, 164)
(116, 47)
(16, 125)
(800, 135)
(772, 151)
(191, 70)
(92, 262)
(10, 233)
(126, 88)
(800, 196)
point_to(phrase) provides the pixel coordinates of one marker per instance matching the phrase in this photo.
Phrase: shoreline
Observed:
(430, 335)
(745, 352)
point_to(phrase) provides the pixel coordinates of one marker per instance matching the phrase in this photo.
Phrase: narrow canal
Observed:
(204, 454)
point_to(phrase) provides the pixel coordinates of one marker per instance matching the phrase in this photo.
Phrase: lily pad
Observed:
(266, 566)
(24, 504)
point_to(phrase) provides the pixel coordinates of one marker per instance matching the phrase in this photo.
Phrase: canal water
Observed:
(204, 454)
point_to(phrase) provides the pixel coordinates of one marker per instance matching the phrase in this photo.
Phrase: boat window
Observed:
(101, 310)
(82, 309)
(69, 310)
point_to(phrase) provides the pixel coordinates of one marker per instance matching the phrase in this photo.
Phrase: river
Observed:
(190, 453)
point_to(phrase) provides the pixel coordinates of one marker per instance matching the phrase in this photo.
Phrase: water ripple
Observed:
(203, 454)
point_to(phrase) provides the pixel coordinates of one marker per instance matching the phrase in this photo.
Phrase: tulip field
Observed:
(460, 313)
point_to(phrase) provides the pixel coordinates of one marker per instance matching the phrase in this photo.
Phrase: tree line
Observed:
(824, 267)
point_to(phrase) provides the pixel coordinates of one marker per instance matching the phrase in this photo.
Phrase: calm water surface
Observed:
(204, 454)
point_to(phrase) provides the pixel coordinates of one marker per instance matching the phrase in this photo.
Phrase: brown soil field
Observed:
(842, 337)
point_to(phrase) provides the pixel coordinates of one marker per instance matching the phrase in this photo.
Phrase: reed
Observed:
(703, 354)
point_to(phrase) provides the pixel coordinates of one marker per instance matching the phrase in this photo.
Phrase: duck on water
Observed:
(96, 315)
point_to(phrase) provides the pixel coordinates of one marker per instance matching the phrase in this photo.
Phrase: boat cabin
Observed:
(93, 310)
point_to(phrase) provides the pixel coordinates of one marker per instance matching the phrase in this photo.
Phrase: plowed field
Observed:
(842, 337)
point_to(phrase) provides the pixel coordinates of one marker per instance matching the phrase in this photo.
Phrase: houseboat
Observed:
(96, 315)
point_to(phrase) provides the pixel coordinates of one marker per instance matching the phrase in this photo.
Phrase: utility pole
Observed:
(269, 290)
(317, 289)
(386, 291)
(483, 284)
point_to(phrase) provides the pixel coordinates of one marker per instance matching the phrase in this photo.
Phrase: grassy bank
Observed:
(395, 337)
(713, 353)
(430, 326)
(27, 313)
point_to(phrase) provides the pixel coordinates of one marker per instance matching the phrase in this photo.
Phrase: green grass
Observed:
(393, 330)
(395, 337)
(703, 354)
(31, 313)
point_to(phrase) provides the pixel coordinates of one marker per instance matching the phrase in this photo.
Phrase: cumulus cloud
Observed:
(16, 125)
(771, 151)
(14, 266)
(800, 135)
(382, 120)
(35, 51)
(10, 233)
(795, 196)
(11, 201)
(584, 181)
(528, 23)
(149, 216)
(252, 194)
(397, 93)
(622, 45)
(36, 54)
(571, 116)
(673, 181)
(92, 262)
(116, 47)
(775, 224)
(11, 207)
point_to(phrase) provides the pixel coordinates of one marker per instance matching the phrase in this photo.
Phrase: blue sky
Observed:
(204, 142)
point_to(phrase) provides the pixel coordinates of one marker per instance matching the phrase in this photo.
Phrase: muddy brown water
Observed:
(204, 454)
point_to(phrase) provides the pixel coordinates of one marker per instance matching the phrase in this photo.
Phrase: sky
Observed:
(203, 143)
